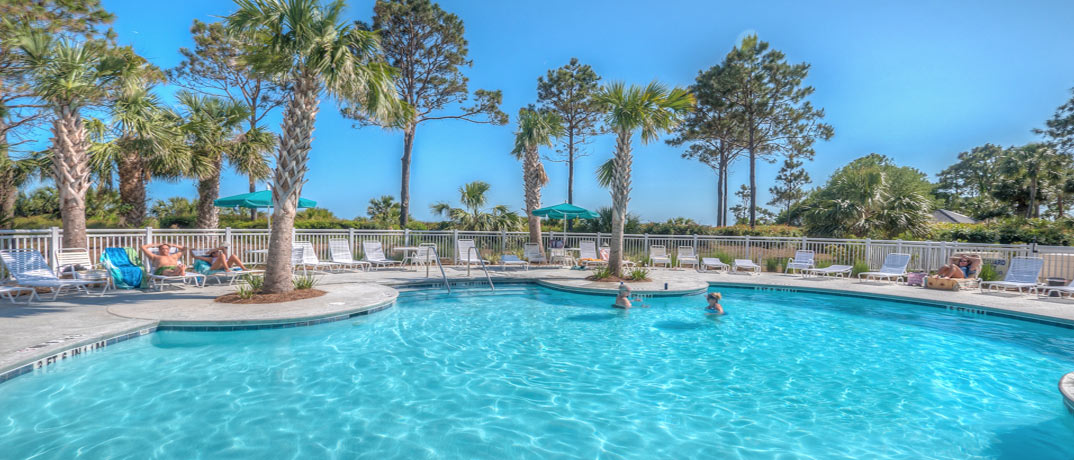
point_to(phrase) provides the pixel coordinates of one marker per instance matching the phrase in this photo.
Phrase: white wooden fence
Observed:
(925, 255)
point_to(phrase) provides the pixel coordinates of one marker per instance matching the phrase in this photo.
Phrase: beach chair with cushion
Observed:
(894, 268)
(76, 263)
(838, 271)
(587, 254)
(340, 251)
(30, 269)
(467, 253)
(951, 284)
(511, 260)
(310, 259)
(802, 260)
(1022, 274)
(373, 252)
(532, 253)
(125, 272)
(605, 254)
(713, 263)
(746, 265)
(231, 276)
(687, 256)
(159, 281)
(658, 255)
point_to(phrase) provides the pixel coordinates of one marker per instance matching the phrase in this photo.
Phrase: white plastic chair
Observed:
(714, 263)
(230, 275)
(467, 253)
(687, 256)
(69, 259)
(658, 255)
(159, 281)
(1022, 274)
(511, 260)
(894, 268)
(802, 260)
(839, 271)
(587, 249)
(373, 252)
(310, 259)
(30, 269)
(747, 265)
(340, 251)
(532, 253)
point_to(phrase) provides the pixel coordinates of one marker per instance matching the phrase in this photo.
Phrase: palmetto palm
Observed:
(535, 128)
(312, 50)
(472, 216)
(69, 76)
(211, 128)
(1034, 165)
(652, 109)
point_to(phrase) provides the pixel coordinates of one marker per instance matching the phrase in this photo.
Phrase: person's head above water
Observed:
(624, 289)
(714, 297)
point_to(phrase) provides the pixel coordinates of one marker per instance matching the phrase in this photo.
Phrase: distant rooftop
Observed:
(950, 217)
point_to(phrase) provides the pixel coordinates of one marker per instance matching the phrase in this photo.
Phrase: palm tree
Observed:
(212, 129)
(383, 210)
(14, 173)
(69, 76)
(1035, 165)
(311, 50)
(472, 216)
(652, 109)
(535, 128)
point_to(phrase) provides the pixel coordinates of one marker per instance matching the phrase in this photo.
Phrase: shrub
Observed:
(638, 274)
(988, 273)
(724, 257)
(860, 266)
(601, 273)
(256, 282)
(245, 291)
(772, 264)
(304, 281)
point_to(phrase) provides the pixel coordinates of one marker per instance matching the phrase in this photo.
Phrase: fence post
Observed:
(598, 239)
(503, 242)
(645, 239)
(227, 240)
(54, 243)
(148, 235)
(805, 242)
(748, 256)
(406, 237)
(695, 243)
(455, 244)
(350, 238)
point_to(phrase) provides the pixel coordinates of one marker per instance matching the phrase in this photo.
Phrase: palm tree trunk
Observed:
(404, 190)
(620, 198)
(291, 158)
(253, 188)
(533, 178)
(131, 190)
(209, 191)
(10, 194)
(70, 168)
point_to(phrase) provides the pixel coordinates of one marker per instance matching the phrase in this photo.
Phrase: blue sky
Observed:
(915, 80)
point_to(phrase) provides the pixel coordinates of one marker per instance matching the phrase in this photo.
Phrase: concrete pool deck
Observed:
(30, 332)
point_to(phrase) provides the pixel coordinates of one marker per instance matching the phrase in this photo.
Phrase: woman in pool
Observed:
(623, 299)
(714, 307)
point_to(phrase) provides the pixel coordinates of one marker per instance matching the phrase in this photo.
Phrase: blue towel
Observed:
(125, 274)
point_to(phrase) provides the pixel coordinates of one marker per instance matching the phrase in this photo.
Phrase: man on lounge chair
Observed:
(166, 263)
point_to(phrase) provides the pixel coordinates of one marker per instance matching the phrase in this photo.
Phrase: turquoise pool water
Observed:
(536, 373)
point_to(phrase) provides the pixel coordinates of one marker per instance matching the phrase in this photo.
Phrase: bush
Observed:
(601, 273)
(245, 291)
(257, 282)
(304, 281)
(988, 273)
(638, 274)
(859, 267)
(772, 264)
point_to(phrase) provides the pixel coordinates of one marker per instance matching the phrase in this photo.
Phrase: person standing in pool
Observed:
(714, 307)
(623, 299)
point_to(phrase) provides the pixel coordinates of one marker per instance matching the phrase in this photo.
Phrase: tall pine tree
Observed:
(790, 184)
(568, 91)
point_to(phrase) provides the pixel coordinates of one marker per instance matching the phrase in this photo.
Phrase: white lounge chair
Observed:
(561, 256)
(839, 271)
(605, 254)
(687, 256)
(340, 251)
(467, 253)
(373, 252)
(11, 291)
(658, 255)
(532, 253)
(70, 260)
(310, 259)
(159, 281)
(1022, 274)
(230, 275)
(30, 269)
(425, 255)
(894, 268)
(802, 260)
(587, 254)
(746, 264)
(714, 263)
(511, 260)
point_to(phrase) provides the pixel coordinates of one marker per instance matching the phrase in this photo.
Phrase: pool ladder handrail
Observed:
(480, 261)
(436, 257)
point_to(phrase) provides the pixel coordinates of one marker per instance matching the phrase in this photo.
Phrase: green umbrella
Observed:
(254, 200)
(565, 211)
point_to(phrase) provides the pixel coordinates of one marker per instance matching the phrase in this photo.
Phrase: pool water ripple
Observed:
(537, 373)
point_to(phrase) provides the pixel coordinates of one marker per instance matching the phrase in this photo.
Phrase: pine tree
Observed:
(790, 184)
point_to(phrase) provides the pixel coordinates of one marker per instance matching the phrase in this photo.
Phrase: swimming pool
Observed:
(530, 372)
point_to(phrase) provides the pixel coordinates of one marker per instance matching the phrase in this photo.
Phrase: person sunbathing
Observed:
(960, 269)
(219, 261)
(166, 263)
